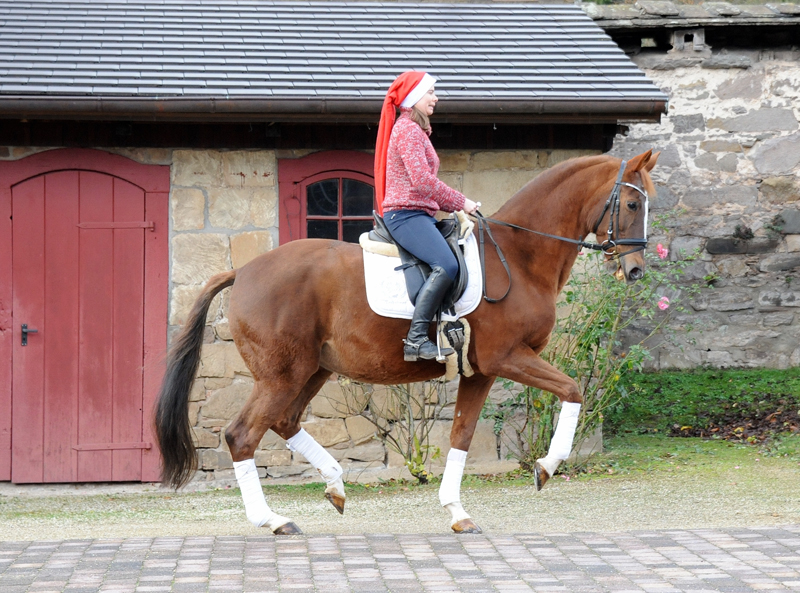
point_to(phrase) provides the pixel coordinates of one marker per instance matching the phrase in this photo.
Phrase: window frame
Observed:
(295, 175)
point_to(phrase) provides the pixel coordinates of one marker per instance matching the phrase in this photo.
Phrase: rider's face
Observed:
(428, 102)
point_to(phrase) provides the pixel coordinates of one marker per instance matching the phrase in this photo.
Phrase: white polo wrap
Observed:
(450, 490)
(316, 455)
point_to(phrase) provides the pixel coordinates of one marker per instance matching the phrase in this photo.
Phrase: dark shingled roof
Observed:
(231, 56)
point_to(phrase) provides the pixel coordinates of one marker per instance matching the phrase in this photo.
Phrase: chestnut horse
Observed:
(299, 313)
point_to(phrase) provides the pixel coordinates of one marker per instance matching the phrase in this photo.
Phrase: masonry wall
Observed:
(730, 166)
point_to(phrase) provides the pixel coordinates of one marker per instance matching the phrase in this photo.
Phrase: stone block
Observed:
(780, 190)
(724, 245)
(370, 451)
(229, 207)
(389, 402)
(778, 319)
(211, 459)
(223, 330)
(225, 403)
(182, 300)
(779, 156)
(146, 156)
(555, 157)
(337, 401)
(726, 61)
(271, 458)
(792, 243)
(741, 86)
(249, 168)
(720, 146)
(683, 124)
(780, 262)
(264, 207)
(198, 257)
(658, 7)
(729, 163)
(766, 119)
(247, 246)
(682, 247)
(198, 392)
(453, 180)
(205, 439)
(779, 298)
(327, 432)
(665, 198)
(791, 221)
(360, 429)
(707, 161)
(730, 300)
(188, 209)
(453, 161)
(272, 441)
(732, 267)
(199, 168)
(494, 188)
(516, 159)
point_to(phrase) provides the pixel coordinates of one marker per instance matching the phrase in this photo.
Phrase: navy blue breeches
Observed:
(416, 232)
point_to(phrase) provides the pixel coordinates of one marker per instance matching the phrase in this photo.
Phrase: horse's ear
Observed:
(638, 163)
(651, 162)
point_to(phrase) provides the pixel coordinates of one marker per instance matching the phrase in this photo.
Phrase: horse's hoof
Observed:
(540, 476)
(288, 529)
(466, 526)
(336, 500)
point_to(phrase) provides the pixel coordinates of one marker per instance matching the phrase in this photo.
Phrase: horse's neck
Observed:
(562, 201)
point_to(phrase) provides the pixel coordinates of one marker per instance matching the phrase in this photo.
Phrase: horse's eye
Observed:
(632, 206)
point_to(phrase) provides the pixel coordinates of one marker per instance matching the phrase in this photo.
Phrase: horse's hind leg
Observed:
(472, 392)
(301, 442)
(267, 403)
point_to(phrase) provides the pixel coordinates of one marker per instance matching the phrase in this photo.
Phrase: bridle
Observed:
(608, 247)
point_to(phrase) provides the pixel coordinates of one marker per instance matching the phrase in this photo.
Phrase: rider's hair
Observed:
(417, 116)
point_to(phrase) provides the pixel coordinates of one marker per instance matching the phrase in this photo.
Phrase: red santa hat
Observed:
(405, 91)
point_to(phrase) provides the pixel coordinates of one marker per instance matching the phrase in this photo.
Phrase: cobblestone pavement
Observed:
(731, 560)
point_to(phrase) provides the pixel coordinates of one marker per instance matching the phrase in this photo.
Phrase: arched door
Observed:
(88, 283)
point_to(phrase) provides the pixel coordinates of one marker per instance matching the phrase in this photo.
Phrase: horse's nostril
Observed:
(636, 274)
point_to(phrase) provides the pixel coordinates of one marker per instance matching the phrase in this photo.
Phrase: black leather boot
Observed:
(417, 344)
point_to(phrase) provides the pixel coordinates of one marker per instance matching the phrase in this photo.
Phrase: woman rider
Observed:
(409, 195)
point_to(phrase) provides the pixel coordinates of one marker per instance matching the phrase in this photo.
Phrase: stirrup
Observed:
(413, 352)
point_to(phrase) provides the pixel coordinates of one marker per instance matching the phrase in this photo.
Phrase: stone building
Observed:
(729, 173)
(218, 122)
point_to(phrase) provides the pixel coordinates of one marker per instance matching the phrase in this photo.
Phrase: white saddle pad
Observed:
(386, 288)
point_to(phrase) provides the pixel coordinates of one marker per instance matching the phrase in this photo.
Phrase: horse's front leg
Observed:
(472, 392)
(524, 366)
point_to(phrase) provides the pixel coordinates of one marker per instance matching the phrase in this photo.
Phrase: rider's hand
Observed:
(470, 207)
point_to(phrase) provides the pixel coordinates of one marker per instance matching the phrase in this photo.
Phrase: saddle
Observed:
(416, 271)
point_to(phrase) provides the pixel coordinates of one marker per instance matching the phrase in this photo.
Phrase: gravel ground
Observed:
(759, 492)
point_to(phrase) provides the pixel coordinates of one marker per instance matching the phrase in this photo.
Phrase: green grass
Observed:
(656, 401)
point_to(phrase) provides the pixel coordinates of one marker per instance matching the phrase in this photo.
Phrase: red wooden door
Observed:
(85, 275)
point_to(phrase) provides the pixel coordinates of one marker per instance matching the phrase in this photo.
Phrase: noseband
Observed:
(608, 247)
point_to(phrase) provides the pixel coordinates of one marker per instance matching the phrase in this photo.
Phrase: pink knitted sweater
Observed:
(411, 168)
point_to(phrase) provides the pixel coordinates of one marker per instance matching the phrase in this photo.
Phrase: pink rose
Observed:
(663, 303)
(663, 252)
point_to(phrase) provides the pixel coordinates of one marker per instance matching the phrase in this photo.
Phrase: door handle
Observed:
(25, 332)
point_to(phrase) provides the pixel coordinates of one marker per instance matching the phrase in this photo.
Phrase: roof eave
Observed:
(326, 110)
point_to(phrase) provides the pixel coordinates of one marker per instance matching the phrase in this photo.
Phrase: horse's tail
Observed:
(173, 429)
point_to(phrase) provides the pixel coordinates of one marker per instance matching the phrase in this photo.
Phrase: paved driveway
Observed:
(733, 560)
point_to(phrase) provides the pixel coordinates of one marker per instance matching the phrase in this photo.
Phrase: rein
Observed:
(607, 247)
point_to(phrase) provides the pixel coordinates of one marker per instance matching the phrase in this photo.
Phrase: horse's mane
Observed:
(551, 178)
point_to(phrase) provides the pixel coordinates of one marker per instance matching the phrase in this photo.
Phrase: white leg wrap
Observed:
(561, 445)
(450, 490)
(255, 505)
(316, 455)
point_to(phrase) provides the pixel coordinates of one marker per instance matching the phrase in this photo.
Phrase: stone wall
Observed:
(729, 168)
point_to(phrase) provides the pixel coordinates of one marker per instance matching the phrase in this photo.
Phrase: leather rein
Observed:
(608, 246)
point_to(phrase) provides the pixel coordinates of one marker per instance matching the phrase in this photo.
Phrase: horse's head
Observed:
(622, 226)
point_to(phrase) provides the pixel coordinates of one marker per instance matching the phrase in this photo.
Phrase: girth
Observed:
(416, 271)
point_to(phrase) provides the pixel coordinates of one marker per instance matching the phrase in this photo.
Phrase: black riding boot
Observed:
(417, 344)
